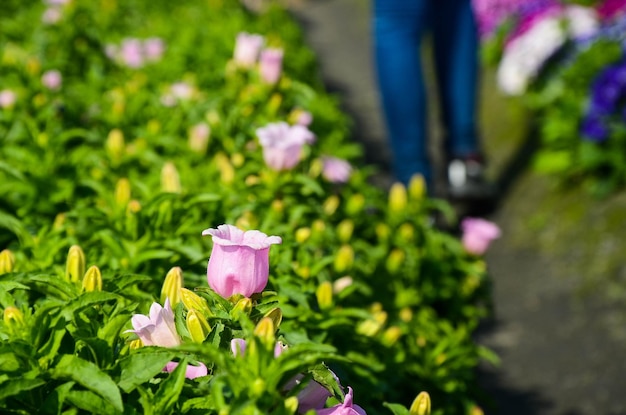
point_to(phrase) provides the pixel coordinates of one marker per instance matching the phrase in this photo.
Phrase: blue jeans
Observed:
(398, 28)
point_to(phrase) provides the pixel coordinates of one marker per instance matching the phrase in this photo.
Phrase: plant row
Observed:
(138, 140)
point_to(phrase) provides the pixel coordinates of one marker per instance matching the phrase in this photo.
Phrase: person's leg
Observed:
(397, 30)
(456, 61)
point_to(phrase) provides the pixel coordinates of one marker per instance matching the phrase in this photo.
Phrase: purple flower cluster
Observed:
(608, 96)
(491, 14)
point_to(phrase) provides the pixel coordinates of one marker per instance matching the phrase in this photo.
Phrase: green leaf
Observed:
(85, 300)
(92, 403)
(169, 390)
(91, 377)
(54, 286)
(396, 408)
(54, 402)
(9, 362)
(16, 386)
(141, 366)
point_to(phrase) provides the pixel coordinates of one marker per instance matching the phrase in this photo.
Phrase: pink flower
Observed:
(153, 48)
(238, 347)
(181, 90)
(346, 408)
(52, 79)
(478, 234)
(191, 372)
(313, 396)
(132, 53)
(157, 329)
(271, 65)
(282, 144)
(610, 8)
(239, 262)
(336, 170)
(247, 48)
(7, 98)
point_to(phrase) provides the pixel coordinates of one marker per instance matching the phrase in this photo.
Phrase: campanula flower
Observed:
(247, 48)
(52, 79)
(478, 234)
(282, 144)
(239, 262)
(153, 48)
(131, 53)
(191, 372)
(312, 396)
(346, 408)
(336, 170)
(158, 328)
(271, 65)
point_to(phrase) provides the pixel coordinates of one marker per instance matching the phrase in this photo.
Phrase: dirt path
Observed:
(563, 351)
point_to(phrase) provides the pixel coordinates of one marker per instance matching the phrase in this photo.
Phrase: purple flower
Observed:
(247, 48)
(52, 79)
(478, 234)
(239, 262)
(610, 8)
(313, 396)
(282, 144)
(336, 170)
(346, 408)
(191, 372)
(271, 65)
(594, 129)
(157, 329)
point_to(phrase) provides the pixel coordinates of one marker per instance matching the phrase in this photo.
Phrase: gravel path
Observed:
(562, 353)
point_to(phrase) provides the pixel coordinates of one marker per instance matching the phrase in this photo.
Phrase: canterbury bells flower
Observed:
(247, 49)
(478, 234)
(239, 262)
(282, 144)
(157, 329)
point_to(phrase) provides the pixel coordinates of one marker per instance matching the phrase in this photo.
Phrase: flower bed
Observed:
(565, 60)
(124, 137)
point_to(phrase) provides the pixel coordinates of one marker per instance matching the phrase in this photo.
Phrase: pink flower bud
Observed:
(478, 234)
(52, 79)
(157, 329)
(239, 262)
(271, 65)
(336, 170)
(282, 144)
(247, 48)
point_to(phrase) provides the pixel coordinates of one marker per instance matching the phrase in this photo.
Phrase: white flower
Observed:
(526, 54)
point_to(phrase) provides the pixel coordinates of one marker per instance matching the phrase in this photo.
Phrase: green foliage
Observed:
(91, 165)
